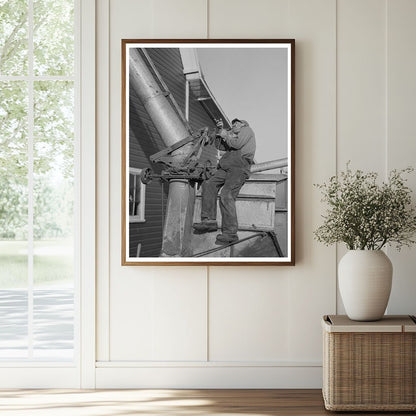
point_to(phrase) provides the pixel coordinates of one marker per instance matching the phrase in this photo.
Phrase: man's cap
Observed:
(244, 122)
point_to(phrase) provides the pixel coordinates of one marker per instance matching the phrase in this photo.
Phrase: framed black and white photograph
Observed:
(208, 152)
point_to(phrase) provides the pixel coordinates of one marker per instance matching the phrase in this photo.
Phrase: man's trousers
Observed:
(230, 175)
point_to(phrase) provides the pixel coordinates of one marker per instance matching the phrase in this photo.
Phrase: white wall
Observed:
(254, 326)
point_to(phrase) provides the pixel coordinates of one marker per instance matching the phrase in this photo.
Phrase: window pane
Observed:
(136, 196)
(13, 37)
(53, 37)
(133, 194)
(13, 219)
(53, 197)
(13, 324)
(54, 146)
(13, 166)
(53, 319)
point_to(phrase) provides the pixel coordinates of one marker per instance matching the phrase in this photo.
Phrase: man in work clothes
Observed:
(233, 170)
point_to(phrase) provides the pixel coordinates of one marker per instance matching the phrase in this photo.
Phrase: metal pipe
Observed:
(272, 164)
(167, 122)
(187, 100)
(177, 229)
(181, 197)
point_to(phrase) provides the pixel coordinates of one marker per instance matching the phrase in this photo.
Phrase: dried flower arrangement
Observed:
(366, 215)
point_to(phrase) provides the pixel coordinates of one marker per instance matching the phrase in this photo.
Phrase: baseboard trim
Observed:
(204, 364)
(210, 377)
(39, 378)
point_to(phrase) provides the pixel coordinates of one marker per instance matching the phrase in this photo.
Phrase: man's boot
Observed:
(205, 226)
(223, 239)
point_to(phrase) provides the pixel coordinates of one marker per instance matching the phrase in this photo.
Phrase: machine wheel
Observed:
(146, 176)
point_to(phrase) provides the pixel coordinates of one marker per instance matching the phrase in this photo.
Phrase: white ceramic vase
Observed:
(364, 278)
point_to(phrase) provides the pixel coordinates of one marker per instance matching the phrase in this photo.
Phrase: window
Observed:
(137, 194)
(38, 204)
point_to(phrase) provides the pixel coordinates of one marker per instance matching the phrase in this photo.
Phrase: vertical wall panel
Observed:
(288, 302)
(248, 306)
(102, 178)
(138, 329)
(312, 281)
(129, 289)
(361, 89)
(246, 19)
(180, 19)
(179, 326)
(132, 315)
(248, 314)
(159, 316)
(361, 84)
(402, 135)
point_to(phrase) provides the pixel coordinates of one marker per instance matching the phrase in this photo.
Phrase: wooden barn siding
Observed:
(145, 141)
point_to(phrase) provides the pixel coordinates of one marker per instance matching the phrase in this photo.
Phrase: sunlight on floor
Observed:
(113, 403)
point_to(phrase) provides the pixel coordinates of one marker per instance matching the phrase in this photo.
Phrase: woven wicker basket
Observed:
(369, 366)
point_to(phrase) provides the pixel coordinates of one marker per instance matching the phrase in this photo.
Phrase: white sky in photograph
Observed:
(251, 84)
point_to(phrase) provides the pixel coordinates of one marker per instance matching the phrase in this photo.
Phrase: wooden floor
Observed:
(164, 402)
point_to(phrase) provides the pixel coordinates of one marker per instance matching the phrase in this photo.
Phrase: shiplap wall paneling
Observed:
(152, 310)
(248, 315)
(180, 19)
(315, 135)
(361, 84)
(361, 90)
(401, 143)
(238, 19)
(311, 282)
(355, 91)
(103, 174)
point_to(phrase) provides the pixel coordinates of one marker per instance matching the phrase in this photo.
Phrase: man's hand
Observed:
(219, 123)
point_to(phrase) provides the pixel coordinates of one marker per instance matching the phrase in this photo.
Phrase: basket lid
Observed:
(390, 323)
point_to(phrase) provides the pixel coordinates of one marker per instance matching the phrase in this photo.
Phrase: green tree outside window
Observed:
(36, 40)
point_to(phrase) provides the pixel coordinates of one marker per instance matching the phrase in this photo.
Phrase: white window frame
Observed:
(80, 372)
(139, 217)
(31, 79)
